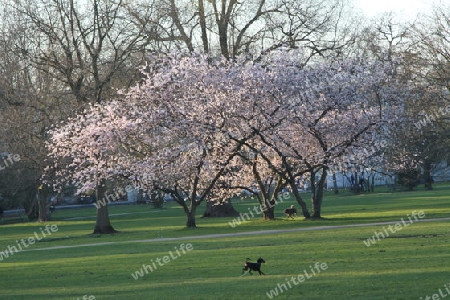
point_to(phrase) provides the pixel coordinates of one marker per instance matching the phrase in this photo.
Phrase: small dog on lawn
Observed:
(291, 212)
(253, 266)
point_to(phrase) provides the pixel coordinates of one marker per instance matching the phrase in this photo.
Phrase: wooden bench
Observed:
(13, 214)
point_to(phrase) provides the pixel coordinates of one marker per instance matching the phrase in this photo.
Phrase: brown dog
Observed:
(291, 212)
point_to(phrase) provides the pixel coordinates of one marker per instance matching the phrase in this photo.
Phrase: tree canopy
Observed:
(185, 134)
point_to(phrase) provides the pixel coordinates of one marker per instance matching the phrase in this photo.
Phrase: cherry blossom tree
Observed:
(79, 154)
(187, 127)
(344, 107)
(170, 133)
(251, 175)
(330, 111)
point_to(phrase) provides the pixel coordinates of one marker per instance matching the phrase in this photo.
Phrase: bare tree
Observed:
(384, 38)
(29, 103)
(433, 43)
(82, 46)
(431, 74)
(230, 28)
(82, 53)
(420, 51)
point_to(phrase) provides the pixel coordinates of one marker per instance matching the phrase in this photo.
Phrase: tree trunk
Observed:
(157, 199)
(190, 223)
(355, 185)
(31, 207)
(269, 214)
(43, 204)
(268, 209)
(102, 225)
(299, 198)
(202, 21)
(189, 207)
(223, 209)
(300, 201)
(223, 40)
(317, 193)
(427, 175)
(335, 186)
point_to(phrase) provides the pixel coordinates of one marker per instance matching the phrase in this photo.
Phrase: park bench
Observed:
(13, 214)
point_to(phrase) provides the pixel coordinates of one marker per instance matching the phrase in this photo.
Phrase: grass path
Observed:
(227, 235)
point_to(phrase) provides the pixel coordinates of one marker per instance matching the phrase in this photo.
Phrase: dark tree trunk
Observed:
(31, 207)
(202, 19)
(157, 199)
(300, 201)
(43, 203)
(335, 186)
(174, 14)
(102, 225)
(189, 206)
(190, 223)
(428, 179)
(268, 209)
(223, 21)
(372, 184)
(269, 214)
(222, 209)
(317, 193)
(268, 193)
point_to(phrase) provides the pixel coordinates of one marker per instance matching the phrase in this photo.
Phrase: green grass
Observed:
(409, 264)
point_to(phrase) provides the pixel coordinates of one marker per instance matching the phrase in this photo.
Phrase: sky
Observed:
(405, 9)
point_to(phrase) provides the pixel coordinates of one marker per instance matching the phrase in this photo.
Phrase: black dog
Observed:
(253, 266)
(291, 212)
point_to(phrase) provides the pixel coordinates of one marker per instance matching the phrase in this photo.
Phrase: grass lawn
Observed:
(410, 262)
